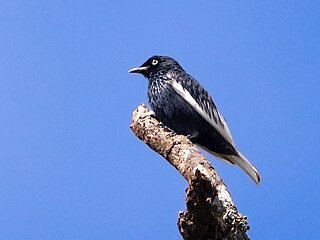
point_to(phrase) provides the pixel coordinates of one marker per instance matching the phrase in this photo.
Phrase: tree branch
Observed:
(210, 213)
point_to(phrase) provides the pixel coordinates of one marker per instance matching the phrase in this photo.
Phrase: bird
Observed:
(182, 104)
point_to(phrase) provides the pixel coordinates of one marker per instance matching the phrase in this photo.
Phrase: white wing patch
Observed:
(220, 125)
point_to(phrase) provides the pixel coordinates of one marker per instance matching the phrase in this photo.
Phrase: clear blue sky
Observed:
(70, 167)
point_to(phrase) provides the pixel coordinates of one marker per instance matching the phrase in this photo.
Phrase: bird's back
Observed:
(174, 112)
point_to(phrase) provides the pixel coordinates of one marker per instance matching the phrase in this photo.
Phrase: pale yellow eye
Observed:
(154, 62)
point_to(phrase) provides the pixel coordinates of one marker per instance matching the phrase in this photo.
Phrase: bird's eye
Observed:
(154, 62)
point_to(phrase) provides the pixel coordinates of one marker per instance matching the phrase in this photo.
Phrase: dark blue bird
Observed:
(183, 105)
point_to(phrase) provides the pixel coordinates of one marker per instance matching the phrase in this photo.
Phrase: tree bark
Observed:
(210, 213)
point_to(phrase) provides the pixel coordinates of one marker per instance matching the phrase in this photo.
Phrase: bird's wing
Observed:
(198, 98)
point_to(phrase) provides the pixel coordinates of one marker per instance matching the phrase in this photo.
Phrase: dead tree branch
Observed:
(210, 213)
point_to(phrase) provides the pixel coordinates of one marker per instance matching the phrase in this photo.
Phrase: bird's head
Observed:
(155, 65)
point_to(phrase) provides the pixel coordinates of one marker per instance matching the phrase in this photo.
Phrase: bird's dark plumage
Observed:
(182, 104)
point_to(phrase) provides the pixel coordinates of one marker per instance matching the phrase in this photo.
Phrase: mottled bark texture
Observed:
(210, 213)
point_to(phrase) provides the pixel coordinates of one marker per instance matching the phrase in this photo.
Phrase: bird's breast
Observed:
(171, 109)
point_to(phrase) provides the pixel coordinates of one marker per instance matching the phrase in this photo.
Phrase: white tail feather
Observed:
(245, 165)
(241, 161)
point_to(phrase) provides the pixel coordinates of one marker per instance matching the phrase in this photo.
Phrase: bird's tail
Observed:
(239, 160)
(245, 165)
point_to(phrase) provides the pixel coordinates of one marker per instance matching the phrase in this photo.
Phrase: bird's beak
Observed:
(138, 70)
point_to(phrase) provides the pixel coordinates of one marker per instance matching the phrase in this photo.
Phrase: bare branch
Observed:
(210, 213)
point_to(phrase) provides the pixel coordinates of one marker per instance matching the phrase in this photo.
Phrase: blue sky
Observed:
(70, 167)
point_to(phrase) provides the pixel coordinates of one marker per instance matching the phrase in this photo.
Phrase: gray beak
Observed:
(138, 70)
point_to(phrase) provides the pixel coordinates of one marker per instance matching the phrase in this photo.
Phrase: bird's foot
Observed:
(192, 136)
